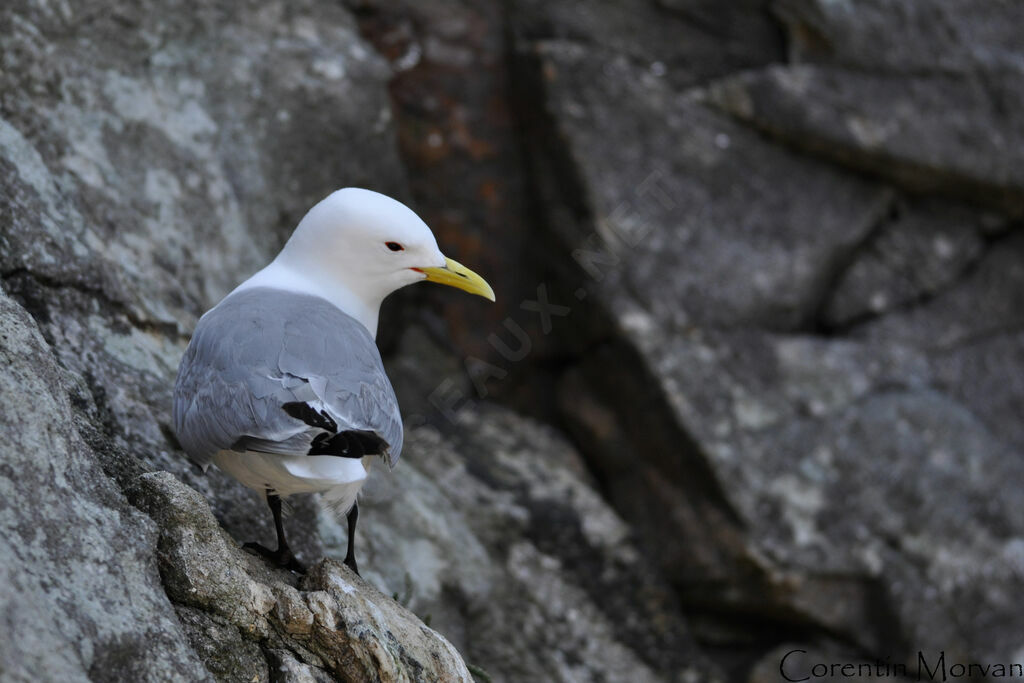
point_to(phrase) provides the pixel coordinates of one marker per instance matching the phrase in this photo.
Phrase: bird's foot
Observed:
(350, 562)
(282, 557)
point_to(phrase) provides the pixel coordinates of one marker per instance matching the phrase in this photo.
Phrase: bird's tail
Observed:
(342, 497)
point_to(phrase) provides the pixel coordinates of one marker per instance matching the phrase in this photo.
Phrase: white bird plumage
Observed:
(282, 385)
(338, 252)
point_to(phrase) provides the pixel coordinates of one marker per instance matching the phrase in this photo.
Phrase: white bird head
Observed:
(357, 246)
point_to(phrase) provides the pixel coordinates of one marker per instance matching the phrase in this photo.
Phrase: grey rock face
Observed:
(901, 128)
(151, 157)
(788, 237)
(942, 36)
(80, 596)
(652, 239)
(684, 42)
(496, 532)
(797, 405)
(190, 114)
(921, 250)
(105, 168)
(331, 621)
(925, 95)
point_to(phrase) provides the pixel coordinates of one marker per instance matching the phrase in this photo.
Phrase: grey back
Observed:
(261, 348)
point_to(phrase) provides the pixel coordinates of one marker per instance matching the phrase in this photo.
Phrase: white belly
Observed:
(339, 479)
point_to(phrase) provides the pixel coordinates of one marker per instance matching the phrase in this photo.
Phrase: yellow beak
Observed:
(454, 274)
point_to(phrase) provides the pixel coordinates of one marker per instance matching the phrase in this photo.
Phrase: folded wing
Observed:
(284, 373)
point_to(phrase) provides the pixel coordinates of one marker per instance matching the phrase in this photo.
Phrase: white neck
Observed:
(278, 275)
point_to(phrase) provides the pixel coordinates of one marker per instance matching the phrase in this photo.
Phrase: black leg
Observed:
(283, 556)
(350, 556)
(274, 501)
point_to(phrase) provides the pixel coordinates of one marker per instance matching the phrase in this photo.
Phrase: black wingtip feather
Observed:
(351, 443)
(314, 418)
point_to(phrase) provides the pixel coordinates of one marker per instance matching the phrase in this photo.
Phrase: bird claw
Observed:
(282, 557)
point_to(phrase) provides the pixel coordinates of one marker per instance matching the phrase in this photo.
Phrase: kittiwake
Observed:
(282, 385)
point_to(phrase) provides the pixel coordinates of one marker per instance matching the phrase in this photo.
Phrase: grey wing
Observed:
(261, 350)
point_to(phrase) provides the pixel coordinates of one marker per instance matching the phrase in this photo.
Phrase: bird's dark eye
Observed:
(394, 246)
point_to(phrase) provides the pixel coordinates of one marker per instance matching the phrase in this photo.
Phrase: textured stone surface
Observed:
(672, 227)
(783, 242)
(496, 532)
(80, 597)
(926, 95)
(949, 36)
(120, 145)
(330, 620)
(797, 405)
(899, 128)
(681, 41)
(982, 306)
(142, 180)
(457, 136)
(919, 251)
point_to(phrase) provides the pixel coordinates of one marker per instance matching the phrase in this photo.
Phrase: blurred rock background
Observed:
(754, 381)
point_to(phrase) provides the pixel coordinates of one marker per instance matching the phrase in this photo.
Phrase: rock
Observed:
(784, 335)
(973, 336)
(828, 452)
(773, 430)
(141, 182)
(980, 307)
(457, 114)
(682, 42)
(923, 96)
(291, 670)
(189, 128)
(896, 127)
(654, 211)
(945, 36)
(225, 653)
(331, 621)
(80, 593)
(919, 251)
(978, 371)
(493, 531)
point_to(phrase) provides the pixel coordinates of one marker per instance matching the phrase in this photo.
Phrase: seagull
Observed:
(282, 385)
